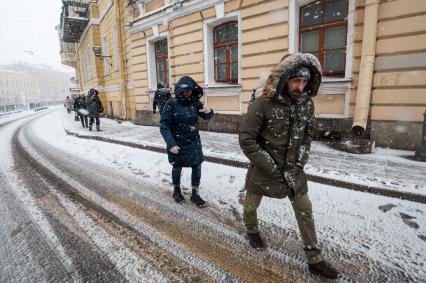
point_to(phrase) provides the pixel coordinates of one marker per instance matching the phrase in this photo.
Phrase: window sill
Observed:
(335, 80)
(222, 85)
(222, 90)
(335, 86)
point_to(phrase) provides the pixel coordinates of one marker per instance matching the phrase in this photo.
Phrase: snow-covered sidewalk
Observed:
(385, 169)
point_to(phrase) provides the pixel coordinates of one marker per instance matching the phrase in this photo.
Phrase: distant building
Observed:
(372, 52)
(27, 87)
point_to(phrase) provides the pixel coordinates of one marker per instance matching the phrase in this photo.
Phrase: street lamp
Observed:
(97, 50)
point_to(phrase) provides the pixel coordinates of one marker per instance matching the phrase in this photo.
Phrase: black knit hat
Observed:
(302, 72)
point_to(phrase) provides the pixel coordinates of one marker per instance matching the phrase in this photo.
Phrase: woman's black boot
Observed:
(177, 194)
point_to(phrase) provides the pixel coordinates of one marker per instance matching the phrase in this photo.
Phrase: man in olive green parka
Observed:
(276, 137)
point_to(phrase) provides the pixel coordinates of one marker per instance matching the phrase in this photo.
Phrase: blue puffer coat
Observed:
(179, 124)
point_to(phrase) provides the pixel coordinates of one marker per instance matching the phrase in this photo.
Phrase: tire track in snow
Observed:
(133, 267)
(27, 205)
(282, 258)
(277, 252)
(129, 221)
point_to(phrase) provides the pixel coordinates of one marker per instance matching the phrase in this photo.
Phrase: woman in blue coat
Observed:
(179, 128)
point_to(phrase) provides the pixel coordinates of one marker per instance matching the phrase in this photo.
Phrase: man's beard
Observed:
(295, 93)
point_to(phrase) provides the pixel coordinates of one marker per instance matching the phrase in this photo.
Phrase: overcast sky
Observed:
(28, 26)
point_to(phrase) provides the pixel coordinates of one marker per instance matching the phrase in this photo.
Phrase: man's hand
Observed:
(290, 176)
(174, 149)
(205, 110)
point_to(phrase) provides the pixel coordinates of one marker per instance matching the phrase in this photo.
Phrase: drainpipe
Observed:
(368, 53)
(77, 69)
(122, 61)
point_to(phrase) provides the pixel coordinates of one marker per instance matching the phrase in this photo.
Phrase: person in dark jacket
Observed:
(81, 108)
(179, 128)
(95, 108)
(161, 96)
(276, 137)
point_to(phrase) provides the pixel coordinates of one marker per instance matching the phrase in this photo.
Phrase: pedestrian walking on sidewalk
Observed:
(80, 108)
(95, 108)
(161, 96)
(68, 104)
(179, 128)
(276, 137)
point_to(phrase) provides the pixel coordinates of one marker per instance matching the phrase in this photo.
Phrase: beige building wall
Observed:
(153, 5)
(268, 30)
(111, 89)
(399, 84)
(263, 38)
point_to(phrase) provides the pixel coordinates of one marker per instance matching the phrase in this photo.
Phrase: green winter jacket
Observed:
(277, 132)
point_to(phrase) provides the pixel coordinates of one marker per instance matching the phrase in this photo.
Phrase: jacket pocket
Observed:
(267, 184)
(280, 122)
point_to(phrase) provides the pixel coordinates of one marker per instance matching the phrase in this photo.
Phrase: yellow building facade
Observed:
(373, 55)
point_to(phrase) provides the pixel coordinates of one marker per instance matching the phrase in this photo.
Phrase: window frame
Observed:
(228, 46)
(322, 27)
(116, 51)
(164, 56)
(105, 54)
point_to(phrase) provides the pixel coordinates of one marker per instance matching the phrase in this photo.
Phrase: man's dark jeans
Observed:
(92, 119)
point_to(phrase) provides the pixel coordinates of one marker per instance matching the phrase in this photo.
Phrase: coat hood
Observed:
(281, 72)
(160, 85)
(188, 83)
(93, 91)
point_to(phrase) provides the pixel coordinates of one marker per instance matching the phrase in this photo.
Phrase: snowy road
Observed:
(77, 210)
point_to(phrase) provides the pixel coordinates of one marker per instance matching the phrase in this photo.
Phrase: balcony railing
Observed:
(74, 19)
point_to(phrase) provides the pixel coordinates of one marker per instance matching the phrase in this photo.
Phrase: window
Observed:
(322, 32)
(161, 61)
(116, 53)
(226, 52)
(89, 73)
(70, 46)
(107, 68)
(83, 66)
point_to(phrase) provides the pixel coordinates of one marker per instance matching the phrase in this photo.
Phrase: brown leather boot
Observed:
(256, 241)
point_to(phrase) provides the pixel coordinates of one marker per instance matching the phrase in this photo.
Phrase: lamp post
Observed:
(421, 152)
(97, 50)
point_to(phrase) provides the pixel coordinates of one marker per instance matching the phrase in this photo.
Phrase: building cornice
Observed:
(111, 88)
(168, 13)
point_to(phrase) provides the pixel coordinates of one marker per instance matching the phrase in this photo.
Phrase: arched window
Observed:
(226, 52)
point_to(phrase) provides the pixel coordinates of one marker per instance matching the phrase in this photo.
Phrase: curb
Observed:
(241, 164)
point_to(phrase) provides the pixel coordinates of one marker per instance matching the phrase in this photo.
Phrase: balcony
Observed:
(68, 58)
(68, 54)
(74, 19)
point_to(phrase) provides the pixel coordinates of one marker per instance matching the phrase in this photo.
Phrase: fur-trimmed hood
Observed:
(281, 72)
